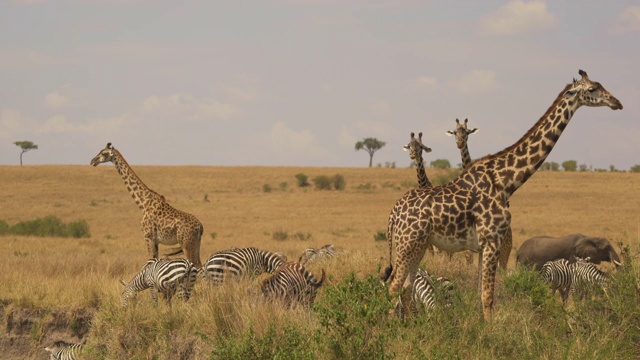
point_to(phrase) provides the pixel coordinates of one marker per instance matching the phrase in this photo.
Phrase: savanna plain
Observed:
(54, 288)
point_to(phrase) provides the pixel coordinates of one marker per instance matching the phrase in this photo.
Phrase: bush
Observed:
(283, 186)
(4, 227)
(380, 236)
(49, 226)
(302, 180)
(266, 188)
(445, 177)
(322, 182)
(570, 165)
(635, 168)
(525, 282)
(440, 164)
(288, 343)
(280, 235)
(78, 229)
(338, 182)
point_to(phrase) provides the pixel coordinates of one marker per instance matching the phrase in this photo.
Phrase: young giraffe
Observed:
(461, 134)
(471, 212)
(161, 223)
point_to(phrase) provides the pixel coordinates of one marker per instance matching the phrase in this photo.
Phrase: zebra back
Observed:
(165, 276)
(293, 284)
(64, 351)
(239, 262)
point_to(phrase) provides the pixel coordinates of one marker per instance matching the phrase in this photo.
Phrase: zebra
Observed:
(293, 284)
(165, 276)
(239, 262)
(64, 351)
(585, 274)
(559, 275)
(424, 290)
(311, 254)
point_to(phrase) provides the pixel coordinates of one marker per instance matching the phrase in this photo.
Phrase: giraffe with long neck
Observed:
(161, 223)
(416, 148)
(471, 212)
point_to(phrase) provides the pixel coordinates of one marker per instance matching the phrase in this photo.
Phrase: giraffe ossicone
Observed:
(472, 212)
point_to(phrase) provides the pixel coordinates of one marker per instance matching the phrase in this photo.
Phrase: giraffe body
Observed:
(472, 211)
(161, 223)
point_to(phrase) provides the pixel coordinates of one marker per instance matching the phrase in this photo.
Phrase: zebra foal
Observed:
(293, 284)
(559, 275)
(311, 254)
(238, 262)
(163, 276)
(64, 351)
(424, 291)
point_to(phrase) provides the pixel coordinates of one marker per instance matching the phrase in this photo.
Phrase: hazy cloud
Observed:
(475, 82)
(380, 109)
(425, 83)
(628, 20)
(188, 107)
(517, 17)
(285, 140)
(56, 100)
(13, 123)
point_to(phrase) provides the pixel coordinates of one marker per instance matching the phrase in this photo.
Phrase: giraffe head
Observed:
(105, 155)
(415, 146)
(590, 93)
(461, 133)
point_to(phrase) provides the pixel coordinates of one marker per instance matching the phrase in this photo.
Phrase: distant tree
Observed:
(635, 168)
(440, 164)
(612, 168)
(570, 165)
(583, 167)
(554, 166)
(25, 146)
(545, 166)
(370, 145)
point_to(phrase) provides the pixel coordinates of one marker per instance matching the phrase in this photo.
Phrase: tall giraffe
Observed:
(471, 212)
(461, 134)
(416, 148)
(161, 223)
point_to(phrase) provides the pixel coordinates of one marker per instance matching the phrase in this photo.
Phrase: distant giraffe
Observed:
(161, 223)
(416, 148)
(461, 134)
(471, 212)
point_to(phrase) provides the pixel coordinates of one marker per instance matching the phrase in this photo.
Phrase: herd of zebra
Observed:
(572, 278)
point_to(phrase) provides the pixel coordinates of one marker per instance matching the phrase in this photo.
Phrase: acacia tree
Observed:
(25, 146)
(370, 145)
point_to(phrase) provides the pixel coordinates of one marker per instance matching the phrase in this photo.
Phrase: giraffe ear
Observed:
(109, 146)
(405, 148)
(583, 74)
(473, 131)
(450, 133)
(426, 148)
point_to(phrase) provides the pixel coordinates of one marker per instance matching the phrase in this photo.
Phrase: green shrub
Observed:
(525, 282)
(338, 182)
(280, 235)
(322, 182)
(445, 177)
(302, 180)
(266, 188)
(354, 319)
(283, 186)
(78, 229)
(288, 343)
(4, 227)
(381, 235)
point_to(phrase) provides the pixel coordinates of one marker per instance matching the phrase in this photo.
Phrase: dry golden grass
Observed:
(77, 273)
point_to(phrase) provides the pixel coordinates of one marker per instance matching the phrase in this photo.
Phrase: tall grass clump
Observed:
(338, 182)
(322, 182)
(288, 342)
(302, 180)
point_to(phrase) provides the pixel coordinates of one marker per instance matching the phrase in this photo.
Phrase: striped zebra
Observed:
(293, 284)
(163, 276)
(424, 289)
(585, 274)
(238, 262)
(64, 351)
(311, 254)
(559, 275)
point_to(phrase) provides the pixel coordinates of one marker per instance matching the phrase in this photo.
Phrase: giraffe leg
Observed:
(490, 254)
(505, 250)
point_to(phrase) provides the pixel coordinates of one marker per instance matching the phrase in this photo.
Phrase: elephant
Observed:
(540, 249)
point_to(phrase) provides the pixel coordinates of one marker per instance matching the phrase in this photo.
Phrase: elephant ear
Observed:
(598, 249)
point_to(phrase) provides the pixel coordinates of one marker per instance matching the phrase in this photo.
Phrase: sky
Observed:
(298, 83)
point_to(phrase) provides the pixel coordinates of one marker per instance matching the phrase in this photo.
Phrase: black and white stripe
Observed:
(424, 289)
(559, 275)
(238, 262)
(584, 275)
(311, 254)
(163, 276)
(64, 351)
(293, 284)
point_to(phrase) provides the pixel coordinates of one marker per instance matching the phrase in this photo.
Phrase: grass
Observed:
(49, 286)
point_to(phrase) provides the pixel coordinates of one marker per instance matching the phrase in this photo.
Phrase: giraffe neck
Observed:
(515, 164)
(423, 180)
(141, 194)
(466, 157)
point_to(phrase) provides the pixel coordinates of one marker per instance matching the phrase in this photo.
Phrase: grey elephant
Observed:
(538, 250)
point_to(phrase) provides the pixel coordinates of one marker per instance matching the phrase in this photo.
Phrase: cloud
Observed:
(286, 140)
(517, 17)
(59, 124)
(628, 20)
(380, 109)
(425, 83)
(13, 124)
(188, 107)
(56, 100)
(380, 130)
(475, 82)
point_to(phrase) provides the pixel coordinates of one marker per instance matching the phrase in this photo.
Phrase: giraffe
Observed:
(461, 134)
(161, 223)
(471, 212)
(416, 148)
